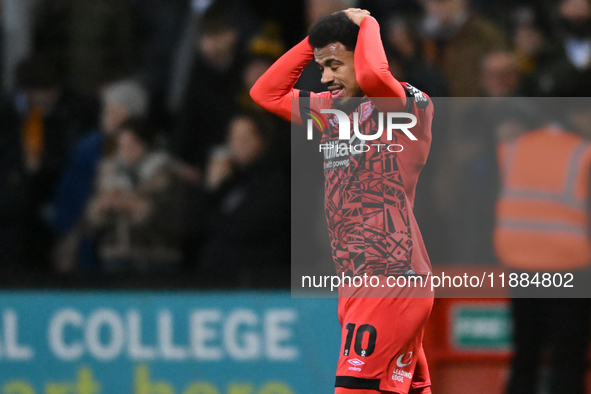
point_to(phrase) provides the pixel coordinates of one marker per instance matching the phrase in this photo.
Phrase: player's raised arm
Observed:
(371, 64)
(274, 89)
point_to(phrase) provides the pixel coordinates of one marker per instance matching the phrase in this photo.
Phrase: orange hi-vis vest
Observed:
(542, 218)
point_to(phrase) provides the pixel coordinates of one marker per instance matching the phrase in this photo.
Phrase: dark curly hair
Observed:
(333, 28)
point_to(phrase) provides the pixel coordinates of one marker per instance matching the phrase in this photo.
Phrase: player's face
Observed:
(337, 66)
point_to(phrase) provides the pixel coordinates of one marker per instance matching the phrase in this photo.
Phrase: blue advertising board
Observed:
(166, 343)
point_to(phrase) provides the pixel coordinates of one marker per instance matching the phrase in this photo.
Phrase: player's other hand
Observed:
(356, 14)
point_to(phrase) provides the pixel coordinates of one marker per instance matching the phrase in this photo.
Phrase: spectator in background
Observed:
(499, 75)
(406, 60)
(213, 87)
(39, 123)
(570, 73)
(534, 52)
(542, 228)
(248, 209)
(253, 69)
(135, 211)
(471, 170)
(120, 101)
(456, 39)
(288, 16)
(263, 49)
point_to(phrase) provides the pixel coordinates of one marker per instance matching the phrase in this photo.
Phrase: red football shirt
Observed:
(369, 195)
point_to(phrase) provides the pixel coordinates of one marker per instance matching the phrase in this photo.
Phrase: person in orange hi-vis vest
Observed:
(542, 236)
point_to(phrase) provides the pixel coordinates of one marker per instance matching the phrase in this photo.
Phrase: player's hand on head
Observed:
(356, 14)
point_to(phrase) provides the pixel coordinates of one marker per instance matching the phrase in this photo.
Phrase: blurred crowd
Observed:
(129, 144)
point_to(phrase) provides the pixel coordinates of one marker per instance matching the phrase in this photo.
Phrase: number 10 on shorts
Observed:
(364, 331)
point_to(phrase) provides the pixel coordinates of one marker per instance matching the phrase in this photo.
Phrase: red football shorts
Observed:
(381, 345)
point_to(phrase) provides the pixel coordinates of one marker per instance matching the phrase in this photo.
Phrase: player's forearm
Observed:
(371, 64)
(274, 89)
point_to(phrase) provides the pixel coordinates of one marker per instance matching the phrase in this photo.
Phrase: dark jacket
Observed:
(248, 226)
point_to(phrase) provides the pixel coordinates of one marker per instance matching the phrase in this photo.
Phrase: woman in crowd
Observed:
(247, 208)
(136, 208)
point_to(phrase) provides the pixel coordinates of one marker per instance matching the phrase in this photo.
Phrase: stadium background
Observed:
(82, 313)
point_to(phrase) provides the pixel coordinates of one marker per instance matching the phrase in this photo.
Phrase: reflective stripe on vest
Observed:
(542, 214)
(566, 197)
(542, 226)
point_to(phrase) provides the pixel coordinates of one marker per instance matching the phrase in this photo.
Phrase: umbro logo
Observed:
(356, 362)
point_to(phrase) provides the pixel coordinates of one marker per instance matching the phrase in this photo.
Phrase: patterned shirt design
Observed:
(365, 200)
